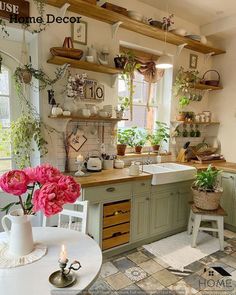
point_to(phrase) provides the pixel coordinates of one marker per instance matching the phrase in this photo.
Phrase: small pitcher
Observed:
(20, 236)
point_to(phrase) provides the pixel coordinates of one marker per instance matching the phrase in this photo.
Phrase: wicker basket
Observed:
(211, 82)
(67, 50)
(206, 201)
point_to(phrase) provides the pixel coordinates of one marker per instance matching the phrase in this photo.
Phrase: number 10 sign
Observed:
(94, 90)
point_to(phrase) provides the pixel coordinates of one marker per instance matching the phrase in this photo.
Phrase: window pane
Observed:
(5, 165)
(4, 112)
(4, 82)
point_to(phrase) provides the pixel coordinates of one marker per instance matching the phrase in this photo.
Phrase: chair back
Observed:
(72, 214)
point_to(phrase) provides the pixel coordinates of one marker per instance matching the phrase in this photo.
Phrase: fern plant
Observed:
(207, 180)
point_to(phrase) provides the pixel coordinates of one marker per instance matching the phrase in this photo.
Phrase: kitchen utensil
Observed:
(93, 162)
(182, 153)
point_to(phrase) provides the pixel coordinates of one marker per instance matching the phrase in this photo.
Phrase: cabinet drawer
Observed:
(141, 186)
(117, 219)
(115, 241)
(113, 209)
(116, 230)
(108, 192)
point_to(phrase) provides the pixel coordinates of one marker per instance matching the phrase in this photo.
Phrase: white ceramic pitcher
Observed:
(20, 235)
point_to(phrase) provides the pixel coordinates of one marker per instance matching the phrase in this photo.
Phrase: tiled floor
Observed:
(139, 272)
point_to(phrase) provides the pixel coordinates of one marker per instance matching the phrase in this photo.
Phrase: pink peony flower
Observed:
(14, 182)
(71, 188)
(44, 173)
(30, 172)
(50, 199)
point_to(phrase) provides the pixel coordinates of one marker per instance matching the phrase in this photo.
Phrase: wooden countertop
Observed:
(122, 175)
(109, 176)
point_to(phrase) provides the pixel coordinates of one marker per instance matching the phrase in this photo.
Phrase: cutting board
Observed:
(209, 162)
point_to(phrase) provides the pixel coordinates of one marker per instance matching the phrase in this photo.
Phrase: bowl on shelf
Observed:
(90, 58)
(135, 15)
(179, 31)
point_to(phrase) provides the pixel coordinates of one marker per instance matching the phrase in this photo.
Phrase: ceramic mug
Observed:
(86, 113)
(108, 164)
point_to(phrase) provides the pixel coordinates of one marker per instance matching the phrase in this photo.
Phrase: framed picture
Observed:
(193, 61)
(90, 89)
(79, 32)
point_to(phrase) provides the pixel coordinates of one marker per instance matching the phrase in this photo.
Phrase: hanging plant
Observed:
(3, 29)
(184, 83)
(128, 75)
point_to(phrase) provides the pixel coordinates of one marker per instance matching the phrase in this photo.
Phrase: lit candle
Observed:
(63, 254)
(80, 158)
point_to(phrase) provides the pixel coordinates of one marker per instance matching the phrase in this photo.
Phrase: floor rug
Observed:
(177, 252)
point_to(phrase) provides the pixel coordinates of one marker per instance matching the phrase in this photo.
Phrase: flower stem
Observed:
(22, 205)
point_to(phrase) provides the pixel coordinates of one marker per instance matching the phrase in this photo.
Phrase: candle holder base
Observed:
(60, 280)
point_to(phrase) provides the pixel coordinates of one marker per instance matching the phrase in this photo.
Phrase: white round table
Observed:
(32, 279)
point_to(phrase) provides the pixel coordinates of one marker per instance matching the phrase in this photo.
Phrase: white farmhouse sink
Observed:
(169, 173)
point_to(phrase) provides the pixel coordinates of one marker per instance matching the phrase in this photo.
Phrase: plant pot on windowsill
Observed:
(121, 149)
(207, 200)
(155, 147)
(138, 149)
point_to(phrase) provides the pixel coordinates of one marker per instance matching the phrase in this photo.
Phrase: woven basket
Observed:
(67, 50)
(205, 200)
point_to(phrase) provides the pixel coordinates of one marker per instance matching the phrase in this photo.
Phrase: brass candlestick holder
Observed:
(64, 278)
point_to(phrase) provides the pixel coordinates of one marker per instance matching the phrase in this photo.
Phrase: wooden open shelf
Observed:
(207, 87)
(84, 65)
(111, 17)
(195, 123)
(93, 119)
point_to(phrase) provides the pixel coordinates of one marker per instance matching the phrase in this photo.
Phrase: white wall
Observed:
(223, 103)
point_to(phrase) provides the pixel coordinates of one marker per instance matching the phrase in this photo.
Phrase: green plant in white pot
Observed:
(206, 189)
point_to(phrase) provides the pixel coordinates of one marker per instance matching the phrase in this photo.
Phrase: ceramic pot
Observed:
(120, 62)
(20, 237)
(25, 76)
(138, 149)
(155, 147)
(121, 149)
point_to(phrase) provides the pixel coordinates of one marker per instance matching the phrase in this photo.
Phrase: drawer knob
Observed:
(110, 189)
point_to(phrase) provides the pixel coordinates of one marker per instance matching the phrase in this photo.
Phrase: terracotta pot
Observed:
(121, 149)
(206, 200)
(138, 149)
(25, 76)
(155, 147)
(180, 117)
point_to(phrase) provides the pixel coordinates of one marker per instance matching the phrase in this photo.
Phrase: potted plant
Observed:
(160, 134)
(140, 139)
(123, 138)
(122, 106)
(206, 189)
(120, 61)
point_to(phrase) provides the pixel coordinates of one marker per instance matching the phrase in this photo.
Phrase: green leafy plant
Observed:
(128, 75)
(123, 103)
(207, 180)
(126, 136)
(184, 101)
(22, 132)
(160, 134)
(3, 29)
(140, 137)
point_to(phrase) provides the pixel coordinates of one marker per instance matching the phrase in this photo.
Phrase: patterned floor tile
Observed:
(229, 234)
(135, 274)
(195, 266)
(150, 266)
(230, 260)
(118, 281)
(194, 281)
(108, 269)
(123, 263)
(146, 252)
(150, 285)
(138, 257)
(207, 260)
(161, 262)
(219, 254)
(100, 287)
(182, 288)
(131, 290)
(165, 277)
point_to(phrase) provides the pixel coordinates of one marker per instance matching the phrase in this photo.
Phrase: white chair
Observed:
(73, 214)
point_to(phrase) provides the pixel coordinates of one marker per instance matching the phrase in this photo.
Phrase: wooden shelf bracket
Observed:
(180, 48)
(115, 28)
(63, 9)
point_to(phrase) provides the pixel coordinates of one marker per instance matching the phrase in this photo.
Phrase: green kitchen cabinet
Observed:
(227, 181)
(140, 217)
(161, 212)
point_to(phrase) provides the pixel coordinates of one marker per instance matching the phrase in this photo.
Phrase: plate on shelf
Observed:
(194, 37)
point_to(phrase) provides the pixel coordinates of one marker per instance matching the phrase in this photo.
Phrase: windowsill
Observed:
(144, 154)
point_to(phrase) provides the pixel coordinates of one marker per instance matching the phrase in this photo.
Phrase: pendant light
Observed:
(165, 61)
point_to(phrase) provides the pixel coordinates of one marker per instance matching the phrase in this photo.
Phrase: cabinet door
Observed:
(161, 212)
(181, 209)
(227, 181)
(140, 217)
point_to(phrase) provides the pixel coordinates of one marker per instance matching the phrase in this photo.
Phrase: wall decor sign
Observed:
(79, 32)
(193, 61)
(94, 90)
(14, 7)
